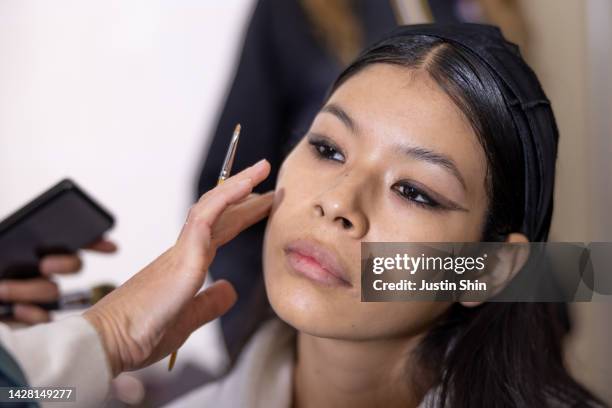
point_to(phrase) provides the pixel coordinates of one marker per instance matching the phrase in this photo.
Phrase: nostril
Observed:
(319, 210)
(346, 224)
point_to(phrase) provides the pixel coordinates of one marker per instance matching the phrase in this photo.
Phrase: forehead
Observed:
(394, 105)
(385, 95)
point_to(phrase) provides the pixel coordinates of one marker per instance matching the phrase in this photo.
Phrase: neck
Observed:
(332, 372)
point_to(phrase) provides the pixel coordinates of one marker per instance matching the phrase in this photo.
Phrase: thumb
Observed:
(209, 304)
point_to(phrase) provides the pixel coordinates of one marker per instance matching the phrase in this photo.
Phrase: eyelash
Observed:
(324, 150)
(410, 193)
(321, 146)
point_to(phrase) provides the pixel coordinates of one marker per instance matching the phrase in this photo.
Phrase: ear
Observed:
(509, 261)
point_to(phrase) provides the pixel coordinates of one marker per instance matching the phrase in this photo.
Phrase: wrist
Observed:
(107, 338)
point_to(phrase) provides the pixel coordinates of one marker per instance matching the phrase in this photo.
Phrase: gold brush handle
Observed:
(175, 353)
(225, 172)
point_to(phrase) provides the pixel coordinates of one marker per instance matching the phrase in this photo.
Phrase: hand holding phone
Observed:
(41, 240)
(31, 299)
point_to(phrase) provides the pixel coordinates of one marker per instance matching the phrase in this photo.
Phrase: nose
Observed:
(340, 206)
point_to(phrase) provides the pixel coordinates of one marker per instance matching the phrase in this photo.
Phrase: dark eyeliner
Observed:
(321, 145)
(431, 204)
(437, 202)
(324, 149)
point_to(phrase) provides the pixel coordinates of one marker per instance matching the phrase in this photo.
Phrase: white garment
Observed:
(64, 353)
(262, 377)
(69, 353)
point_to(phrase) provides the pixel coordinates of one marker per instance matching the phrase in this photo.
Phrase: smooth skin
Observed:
(154, 312)
(395, 161)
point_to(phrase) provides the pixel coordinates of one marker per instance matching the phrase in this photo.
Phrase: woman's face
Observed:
(388, 158)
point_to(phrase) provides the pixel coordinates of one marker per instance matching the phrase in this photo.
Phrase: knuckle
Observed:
(192, 214)
(207, 194)
(202, 224)
(226, 203)
(223, 197)
(53, 290)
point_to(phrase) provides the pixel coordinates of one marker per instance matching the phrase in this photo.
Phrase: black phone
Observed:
(63, 219)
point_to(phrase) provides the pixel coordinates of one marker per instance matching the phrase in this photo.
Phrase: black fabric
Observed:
(282, 77)
(281, 80)
(444, 11)
(530, 108)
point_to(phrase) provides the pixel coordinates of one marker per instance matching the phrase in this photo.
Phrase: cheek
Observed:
(332, 313)
(287, 218)
(338, 312)
(398, 221)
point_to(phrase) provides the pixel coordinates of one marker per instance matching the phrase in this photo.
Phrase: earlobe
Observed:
(471, 304)
(510, 260)
(516, 238)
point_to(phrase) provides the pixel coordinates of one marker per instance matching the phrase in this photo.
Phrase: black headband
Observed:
(530, 109)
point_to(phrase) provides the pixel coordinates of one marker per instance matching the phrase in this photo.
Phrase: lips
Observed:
(314, 261)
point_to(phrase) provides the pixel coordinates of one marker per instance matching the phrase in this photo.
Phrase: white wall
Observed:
(119, 95)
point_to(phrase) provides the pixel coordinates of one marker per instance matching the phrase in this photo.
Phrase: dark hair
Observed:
(497, 354)
(472, 87)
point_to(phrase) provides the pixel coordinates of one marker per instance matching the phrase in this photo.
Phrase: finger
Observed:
(251, 196)
(60, 264)
(195, 238)
(31, 290)
(104, 246)
(197, 229)
(128, 389)
(257, 172)
(227, 193)
(30, 314)
(233, 187)
(209, 304)
(241, 216)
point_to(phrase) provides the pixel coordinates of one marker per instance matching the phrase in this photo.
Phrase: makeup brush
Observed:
(70, 301)
(226, 169)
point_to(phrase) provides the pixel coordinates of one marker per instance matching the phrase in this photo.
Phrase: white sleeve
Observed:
(65, 353)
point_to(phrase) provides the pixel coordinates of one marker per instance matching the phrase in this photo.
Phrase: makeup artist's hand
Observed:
(153, 313)
(25, 293)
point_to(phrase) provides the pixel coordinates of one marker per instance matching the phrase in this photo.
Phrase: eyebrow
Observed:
(341, 114)
(419, 153)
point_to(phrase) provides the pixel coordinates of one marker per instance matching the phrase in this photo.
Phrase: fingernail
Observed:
(260, 164)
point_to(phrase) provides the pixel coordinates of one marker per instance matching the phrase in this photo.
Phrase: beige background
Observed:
(569, 48)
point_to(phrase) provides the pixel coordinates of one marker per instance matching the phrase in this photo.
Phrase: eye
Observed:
(416, 195)
(324, 149)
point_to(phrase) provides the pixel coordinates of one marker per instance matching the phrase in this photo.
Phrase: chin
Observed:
(310, 306)
(310, 309)
(319, 311)
(330, 310)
